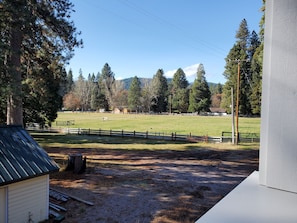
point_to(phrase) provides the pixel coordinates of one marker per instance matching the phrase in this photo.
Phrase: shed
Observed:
(24, 177)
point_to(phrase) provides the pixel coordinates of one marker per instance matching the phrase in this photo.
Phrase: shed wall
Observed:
(28, 200)
(3, 204)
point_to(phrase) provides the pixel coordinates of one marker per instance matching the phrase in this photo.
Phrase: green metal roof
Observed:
(21, 157)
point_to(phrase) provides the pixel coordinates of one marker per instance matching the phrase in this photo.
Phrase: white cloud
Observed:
(190, 72)
(119, 78)
(170, 73)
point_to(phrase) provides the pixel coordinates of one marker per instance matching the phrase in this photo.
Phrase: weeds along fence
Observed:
(144, 135)
(131, 134)
(243, 137)
(226, 136)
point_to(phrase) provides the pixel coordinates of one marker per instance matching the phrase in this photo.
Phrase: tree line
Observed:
(38, 38)
(159, 95)
(156, 95)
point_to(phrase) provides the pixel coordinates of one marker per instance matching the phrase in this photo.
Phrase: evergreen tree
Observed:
(256, 93)
(29, 31)
(100, 95)
(147, 96)
(238, 57)
(179, 95)
(69, 81)
(254, 44)
(256, 67)
(90, 84)
(107, 81)
(134, 94)
(243, 35)
(81, 90)
(200, 94)
(42, 98)
(63, 82)
(160, 88)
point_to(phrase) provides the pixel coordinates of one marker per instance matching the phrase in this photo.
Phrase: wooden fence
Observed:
(144, 135)
(225, 137)
(243, 137)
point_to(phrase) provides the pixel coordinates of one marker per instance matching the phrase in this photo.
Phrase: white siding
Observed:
(278, 153)
(28, 198)
(3, 205)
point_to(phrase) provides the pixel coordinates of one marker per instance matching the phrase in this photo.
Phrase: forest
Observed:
(38, 39)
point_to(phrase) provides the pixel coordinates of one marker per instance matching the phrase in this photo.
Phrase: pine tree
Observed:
(81, 90)
(238, 57)
(69, 81)
(256, 93)
(200, 94)
(160, 88)
(179, 94)
(107, 81)
(40, 34)
(256, 66)
(243, 35)
(134, 94)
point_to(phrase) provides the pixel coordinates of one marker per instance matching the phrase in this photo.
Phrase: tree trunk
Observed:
(14, 100)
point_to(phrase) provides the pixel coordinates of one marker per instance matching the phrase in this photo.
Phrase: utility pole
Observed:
(232, 114)
(237, 100)
(237, 97)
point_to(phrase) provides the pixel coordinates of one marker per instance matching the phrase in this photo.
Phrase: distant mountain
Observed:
(143, 81)
(127, 82)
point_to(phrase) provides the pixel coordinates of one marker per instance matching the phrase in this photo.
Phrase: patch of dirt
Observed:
(146, 186)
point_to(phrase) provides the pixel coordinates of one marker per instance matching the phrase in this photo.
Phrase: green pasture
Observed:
(179, 124)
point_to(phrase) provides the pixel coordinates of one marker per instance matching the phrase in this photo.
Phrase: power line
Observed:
(167, 23)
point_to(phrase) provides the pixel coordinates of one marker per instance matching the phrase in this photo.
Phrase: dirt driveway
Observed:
(142, 186)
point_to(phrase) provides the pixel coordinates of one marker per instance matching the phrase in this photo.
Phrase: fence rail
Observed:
(226, 136)
(243, 137)
(145, 135)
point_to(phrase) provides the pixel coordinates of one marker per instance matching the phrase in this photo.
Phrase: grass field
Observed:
(181, 124)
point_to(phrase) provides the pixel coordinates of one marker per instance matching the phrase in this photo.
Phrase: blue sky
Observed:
(138, 37)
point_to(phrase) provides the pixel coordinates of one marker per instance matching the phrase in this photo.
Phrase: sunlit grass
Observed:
(180, 124)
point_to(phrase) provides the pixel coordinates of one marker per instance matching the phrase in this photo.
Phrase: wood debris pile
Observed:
(57, 197)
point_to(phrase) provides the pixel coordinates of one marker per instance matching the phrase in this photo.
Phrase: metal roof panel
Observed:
(21, 157)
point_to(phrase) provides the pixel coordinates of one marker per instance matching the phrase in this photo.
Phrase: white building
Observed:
(24, 177)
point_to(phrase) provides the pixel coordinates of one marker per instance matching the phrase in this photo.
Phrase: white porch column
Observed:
(278, 146)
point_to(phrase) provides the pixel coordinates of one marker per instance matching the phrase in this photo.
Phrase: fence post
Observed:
(146, 135)
(134, 133)
(206, 138)
(122, 133)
